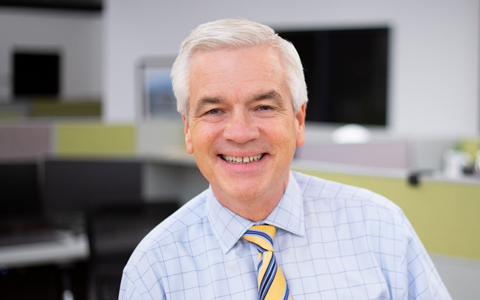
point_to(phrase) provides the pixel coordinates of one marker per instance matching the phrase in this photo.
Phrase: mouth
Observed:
(240, 160)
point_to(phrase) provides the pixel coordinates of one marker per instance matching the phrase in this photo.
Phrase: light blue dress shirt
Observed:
(333, 241)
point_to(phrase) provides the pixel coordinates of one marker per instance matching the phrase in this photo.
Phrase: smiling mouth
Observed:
(242, 160)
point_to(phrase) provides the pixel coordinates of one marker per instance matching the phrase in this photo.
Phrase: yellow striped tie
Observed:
(271, 282)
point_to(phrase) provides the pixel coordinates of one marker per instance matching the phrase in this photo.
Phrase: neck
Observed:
(254, 209)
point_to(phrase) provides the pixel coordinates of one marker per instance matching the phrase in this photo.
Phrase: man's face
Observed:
(241, 125)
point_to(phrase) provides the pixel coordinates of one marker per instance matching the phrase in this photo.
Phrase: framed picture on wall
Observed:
(156, 95)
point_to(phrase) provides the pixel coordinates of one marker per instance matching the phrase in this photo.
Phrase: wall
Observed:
(434, 71)
(78, 34)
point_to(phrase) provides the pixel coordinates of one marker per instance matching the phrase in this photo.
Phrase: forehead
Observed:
(235, 69)
(251, 52)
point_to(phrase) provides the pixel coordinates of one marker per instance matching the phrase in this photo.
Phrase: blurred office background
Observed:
(92, 152)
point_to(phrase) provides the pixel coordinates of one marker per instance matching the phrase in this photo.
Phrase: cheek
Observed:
(203, 137)
(287, 130)
(281, 136)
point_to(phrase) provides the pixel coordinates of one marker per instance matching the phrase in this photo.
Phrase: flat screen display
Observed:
(36, 74)
(346, 74)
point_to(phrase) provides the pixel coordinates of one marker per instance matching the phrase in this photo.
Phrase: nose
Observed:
(240, 128)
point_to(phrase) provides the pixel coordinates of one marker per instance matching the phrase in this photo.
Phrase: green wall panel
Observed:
(95, 140)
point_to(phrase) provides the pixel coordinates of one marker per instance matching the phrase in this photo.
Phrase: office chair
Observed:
(114, 231)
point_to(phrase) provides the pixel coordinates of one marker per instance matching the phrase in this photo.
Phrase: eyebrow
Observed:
(274, 95)
(205, 101)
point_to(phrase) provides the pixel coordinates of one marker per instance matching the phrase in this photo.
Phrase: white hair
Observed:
(233, 33)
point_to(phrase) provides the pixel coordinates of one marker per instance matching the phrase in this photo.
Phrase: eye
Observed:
(264, 107)
(214, 111)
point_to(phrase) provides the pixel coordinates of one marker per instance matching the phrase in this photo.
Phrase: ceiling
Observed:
(83, 5)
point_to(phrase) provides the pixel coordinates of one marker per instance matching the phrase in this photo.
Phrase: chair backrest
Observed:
(115, 230)
(83, 184)
(19, 188)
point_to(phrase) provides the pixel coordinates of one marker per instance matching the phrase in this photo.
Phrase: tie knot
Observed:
(262, 236)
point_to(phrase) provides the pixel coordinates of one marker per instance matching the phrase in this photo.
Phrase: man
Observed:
(242, 95)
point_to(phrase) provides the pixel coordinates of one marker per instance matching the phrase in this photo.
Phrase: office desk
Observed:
(69, 249)
(45, 270)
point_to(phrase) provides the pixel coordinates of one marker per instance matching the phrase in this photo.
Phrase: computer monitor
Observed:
(346, 73)
(36, 74)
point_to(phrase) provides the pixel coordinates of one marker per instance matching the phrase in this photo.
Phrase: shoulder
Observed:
(175, 228)
(375, 224)
(169, 240)
(337, 194)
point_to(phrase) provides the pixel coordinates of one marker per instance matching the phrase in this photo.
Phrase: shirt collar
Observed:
(229, 227)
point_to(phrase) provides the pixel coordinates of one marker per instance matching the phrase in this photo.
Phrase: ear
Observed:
(188, 141)
(300, 116)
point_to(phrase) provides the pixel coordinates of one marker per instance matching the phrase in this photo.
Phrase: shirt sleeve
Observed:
(421, 279)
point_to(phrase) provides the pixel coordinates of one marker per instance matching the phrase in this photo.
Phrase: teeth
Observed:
(242, 160)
